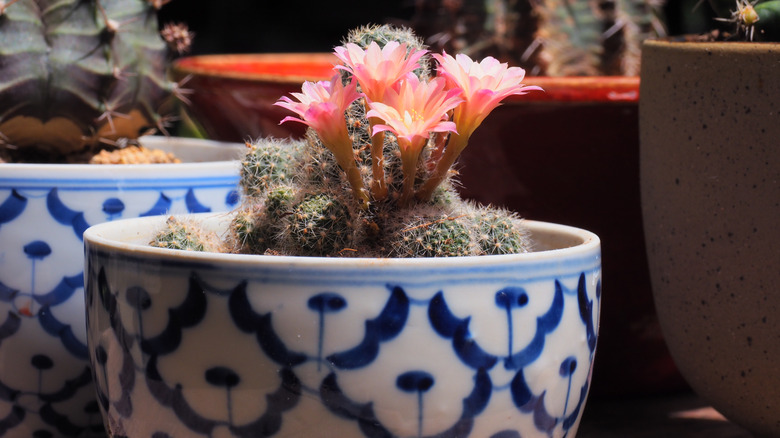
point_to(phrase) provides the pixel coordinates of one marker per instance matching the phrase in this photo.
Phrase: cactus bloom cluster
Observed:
(371, 177)
(453, 103)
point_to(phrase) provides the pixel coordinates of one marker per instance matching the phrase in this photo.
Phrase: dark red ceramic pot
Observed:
(568, 155)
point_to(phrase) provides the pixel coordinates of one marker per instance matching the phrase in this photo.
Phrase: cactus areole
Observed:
(77, 76)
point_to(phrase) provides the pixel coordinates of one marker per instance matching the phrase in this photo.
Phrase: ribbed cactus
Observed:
(77, 76)
(546, 37)
(300, 199)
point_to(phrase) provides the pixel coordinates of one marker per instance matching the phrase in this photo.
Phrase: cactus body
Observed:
(75, 74)
(185, 236)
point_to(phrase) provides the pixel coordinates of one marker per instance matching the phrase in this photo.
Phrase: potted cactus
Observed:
(82, 81)
(589, 55)
(362, 205)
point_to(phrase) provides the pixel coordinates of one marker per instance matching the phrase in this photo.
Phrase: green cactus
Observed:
(432, 236)
(186, 236)
(545, 37)
(499, 232)
(268, 166)
(78, 76)
(298, 202)
(320, 225)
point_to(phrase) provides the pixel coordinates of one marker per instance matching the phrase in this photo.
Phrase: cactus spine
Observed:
(77, 76)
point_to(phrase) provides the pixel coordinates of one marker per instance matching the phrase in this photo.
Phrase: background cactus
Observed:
(78, 76)
(299, 201)
(545, 37)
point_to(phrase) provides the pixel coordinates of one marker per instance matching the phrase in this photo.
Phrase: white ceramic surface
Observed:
(188, 344)
(45, 380)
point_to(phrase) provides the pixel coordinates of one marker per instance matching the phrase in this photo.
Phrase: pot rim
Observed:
(686, 44)
(86, 171)
(558, 89)
(130, 237)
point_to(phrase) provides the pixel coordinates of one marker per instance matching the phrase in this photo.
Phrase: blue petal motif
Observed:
(586, 312)
(13, 419)
(335, 400)
(268, 424)
(506, 434)
(7, 294)
(64, 215)
(384, 327)
(62, 292)
(10, 326)
(544, 325)
(476, 402)
(283, 399)
(569, 421)
(174, 398)
(70, 388)
(63, 331)
(162, 206)
(187, 314)
(113, 206)
(193, 205)
(12, 207)
(248, 321)
(542, 419)
(37, 249)
(232, 198)
(464, 345)
(63, 424)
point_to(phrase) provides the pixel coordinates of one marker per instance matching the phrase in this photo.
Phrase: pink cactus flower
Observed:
(412, 110)
(484, 85)
(321, 106)
(377, 69)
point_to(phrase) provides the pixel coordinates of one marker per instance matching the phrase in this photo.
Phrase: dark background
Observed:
(247, 26)
(256, 26)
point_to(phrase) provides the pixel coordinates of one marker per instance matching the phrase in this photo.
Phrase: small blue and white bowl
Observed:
(187, 344)
(45, 382)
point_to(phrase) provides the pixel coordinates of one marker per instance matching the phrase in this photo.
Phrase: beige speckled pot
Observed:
(710, 183)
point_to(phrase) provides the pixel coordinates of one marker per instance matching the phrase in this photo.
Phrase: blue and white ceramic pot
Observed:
(187, 344)
(46, 385)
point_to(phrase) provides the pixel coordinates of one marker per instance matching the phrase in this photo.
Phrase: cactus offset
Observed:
(186, 236)
(77, 76)
(300, 201)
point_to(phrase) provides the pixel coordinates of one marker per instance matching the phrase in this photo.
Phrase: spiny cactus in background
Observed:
(78, 76)
(751, 20)
(545, 37)
(320, 196)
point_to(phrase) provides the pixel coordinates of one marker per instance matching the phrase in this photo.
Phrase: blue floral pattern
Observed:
(46, 385)
(264, 359)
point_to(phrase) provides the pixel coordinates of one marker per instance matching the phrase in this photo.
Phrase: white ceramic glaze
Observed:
(45, 380)
(188, 344)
